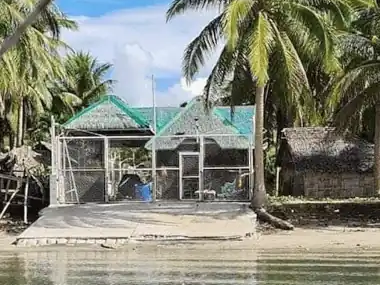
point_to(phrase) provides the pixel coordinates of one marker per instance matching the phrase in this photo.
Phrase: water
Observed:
(185, 266)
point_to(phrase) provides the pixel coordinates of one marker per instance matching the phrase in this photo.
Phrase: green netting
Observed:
(241, 118)
(164, 115)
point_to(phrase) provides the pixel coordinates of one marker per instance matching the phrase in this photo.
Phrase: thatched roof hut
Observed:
(324, 149)
(320, 162)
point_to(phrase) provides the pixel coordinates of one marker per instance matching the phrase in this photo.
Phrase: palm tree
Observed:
(355, 91)
(269, 37)
(83, 81)
(34, 60)
(39, 9)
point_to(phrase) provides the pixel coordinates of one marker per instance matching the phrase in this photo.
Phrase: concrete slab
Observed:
(134, 220)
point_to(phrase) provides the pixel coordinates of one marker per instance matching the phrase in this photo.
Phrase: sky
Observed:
(134, 36)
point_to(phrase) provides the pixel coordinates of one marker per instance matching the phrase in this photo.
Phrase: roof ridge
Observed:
(176, 117)
(118, 103)
(136, 116)
(86, 110)
(223, 119)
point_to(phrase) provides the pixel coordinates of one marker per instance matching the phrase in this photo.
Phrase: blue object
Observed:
(143, 192)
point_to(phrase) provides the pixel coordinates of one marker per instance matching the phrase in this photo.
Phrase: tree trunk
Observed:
(20, 124)
(13, 39)
(259, 194)
(377, 148)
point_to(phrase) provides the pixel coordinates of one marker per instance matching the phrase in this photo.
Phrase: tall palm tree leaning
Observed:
(29, 20)
(268, 34)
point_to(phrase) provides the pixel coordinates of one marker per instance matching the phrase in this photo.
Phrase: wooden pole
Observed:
(278, 169)
(26, 200)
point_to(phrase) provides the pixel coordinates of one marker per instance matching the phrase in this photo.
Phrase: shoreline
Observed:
(337, 238)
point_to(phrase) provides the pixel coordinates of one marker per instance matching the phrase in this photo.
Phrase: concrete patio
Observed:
(122, 222)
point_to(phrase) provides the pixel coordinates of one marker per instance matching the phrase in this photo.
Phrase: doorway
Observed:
(189, 175)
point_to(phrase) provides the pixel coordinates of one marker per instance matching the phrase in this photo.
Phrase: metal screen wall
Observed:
(146, 168)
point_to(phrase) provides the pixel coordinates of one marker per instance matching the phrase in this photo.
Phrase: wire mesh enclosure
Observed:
(148, 168)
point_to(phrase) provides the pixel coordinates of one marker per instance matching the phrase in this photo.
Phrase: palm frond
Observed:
(236, 13)
(200, 47)
(178, 7)
(261, 41)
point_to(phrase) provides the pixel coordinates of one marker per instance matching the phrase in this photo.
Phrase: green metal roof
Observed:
(194, 119)
(109, 113)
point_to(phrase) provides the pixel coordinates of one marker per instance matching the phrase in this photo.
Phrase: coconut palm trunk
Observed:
(377, 148)
(259, 194)
(13, 39)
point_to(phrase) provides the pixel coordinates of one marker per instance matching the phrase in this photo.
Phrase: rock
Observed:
(107, 246)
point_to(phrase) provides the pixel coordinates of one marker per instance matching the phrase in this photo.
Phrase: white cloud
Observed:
(181, 92)
(139, 42)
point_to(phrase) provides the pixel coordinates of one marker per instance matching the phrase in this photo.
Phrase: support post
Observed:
(278, 169)
(54, 182)
(251, 168)
(154, 153)
(60, 185)
(201, 167)
(154, 177)
(106, 171)
(26, 200)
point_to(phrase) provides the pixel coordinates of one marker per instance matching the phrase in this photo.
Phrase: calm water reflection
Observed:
(164, 266)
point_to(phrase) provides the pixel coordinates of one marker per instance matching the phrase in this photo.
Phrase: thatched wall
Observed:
(291, 183)
(342, 185)
(326, 185)
(319, 163)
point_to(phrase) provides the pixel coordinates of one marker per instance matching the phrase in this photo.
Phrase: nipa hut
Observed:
(318, 162)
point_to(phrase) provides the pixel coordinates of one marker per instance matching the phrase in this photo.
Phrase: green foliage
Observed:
(317, 59)
(270, 169)
(284, 200)
(36, 82)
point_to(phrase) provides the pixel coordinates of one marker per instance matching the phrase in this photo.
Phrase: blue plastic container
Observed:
(143, 192)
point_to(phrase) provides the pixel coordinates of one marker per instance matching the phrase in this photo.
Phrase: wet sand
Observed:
(333, 238)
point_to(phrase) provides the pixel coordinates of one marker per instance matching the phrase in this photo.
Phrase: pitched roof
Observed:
(325, 150)
(109, 113)
(163, 115)
(195, 119)
(112, 113)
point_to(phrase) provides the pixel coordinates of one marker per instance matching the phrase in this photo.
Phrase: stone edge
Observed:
(117, 242)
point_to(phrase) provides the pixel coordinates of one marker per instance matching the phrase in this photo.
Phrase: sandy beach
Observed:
(300, 239)
(321, 238)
